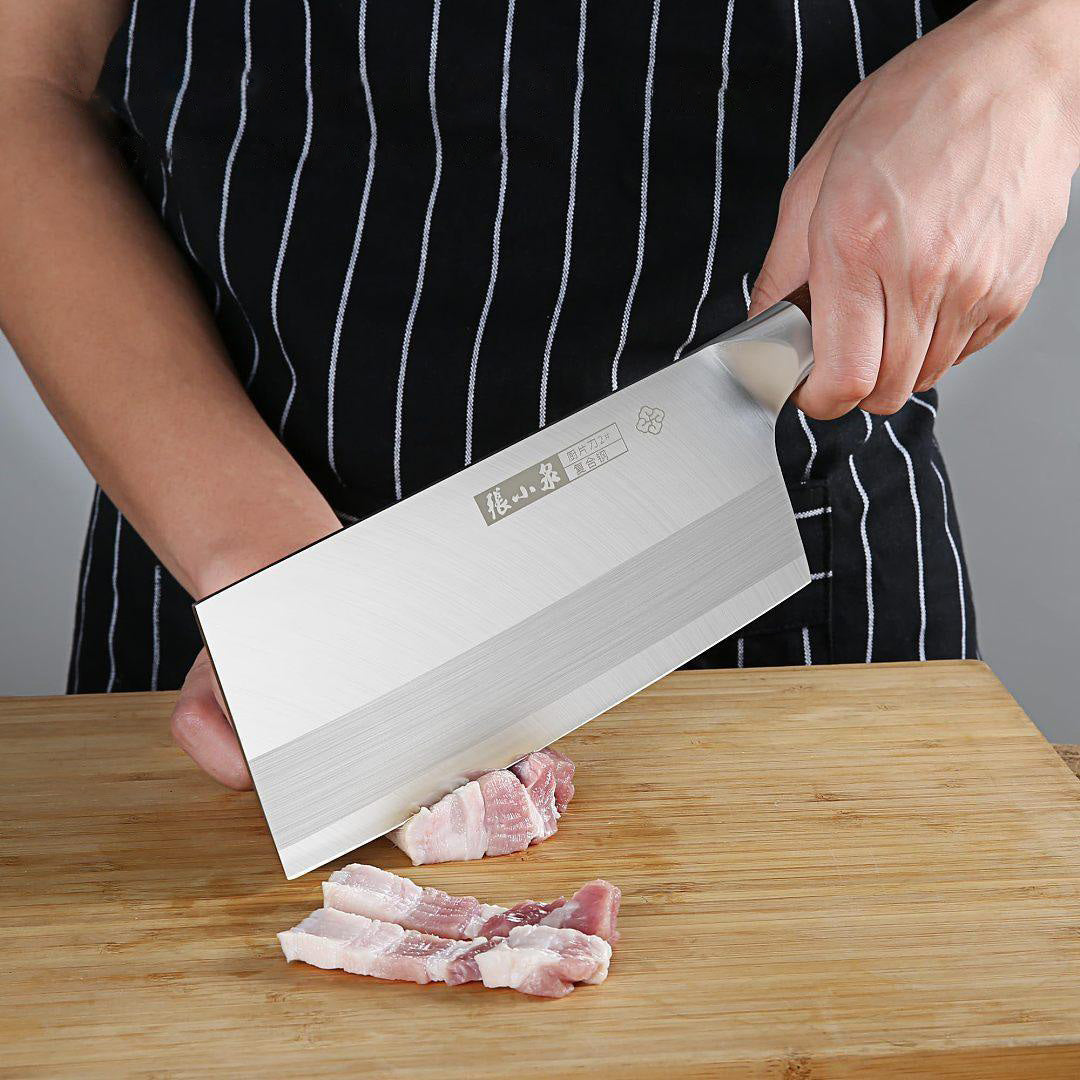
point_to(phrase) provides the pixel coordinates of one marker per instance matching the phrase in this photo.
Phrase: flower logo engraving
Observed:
(650, 420)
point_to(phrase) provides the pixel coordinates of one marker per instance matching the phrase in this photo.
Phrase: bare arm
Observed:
(101, 310)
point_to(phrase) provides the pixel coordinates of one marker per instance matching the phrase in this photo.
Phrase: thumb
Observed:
(201, 729)
(787, 262)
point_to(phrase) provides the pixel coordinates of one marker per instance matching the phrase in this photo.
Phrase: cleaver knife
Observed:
(494, 612)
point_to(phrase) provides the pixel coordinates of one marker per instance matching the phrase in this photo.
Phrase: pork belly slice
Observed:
(547, 964)
(564, 778)
(537, 775)
(453, 830)
(498, 813)
(510, 816)
(544, 961)
(337, 939)
(380, 894)
(593, 909)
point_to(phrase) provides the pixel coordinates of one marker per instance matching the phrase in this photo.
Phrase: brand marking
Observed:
(533, 483)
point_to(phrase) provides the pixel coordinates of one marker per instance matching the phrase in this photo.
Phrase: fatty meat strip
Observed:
(498, 813)
(540, 960)
(379, 894)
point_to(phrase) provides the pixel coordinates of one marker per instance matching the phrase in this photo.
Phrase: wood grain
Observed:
(828, 872)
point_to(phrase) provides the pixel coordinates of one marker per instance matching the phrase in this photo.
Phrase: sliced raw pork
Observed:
(379, 894)
(498, 813)
(543, 961)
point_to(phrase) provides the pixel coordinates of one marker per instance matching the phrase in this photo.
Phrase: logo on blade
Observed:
(552, 474)
(650, 420)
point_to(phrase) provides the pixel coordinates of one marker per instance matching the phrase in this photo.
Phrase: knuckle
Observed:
(852, 384)
(862, 234)
(926, 276)
(973, 291)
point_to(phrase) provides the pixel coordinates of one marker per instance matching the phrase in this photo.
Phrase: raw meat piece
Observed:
(498, 813)
(337, 939)
(593, 909)
(537, 775)
(511, 818)
(378, 894)
(527, 913)
(452, 830)
(543, 961)
(564, 778)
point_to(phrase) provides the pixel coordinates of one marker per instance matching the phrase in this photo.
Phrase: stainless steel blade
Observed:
(496, 611)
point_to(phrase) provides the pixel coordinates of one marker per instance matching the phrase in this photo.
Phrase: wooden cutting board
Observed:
(828, 872)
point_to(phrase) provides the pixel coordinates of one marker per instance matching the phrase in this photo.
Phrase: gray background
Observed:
(1007, 425)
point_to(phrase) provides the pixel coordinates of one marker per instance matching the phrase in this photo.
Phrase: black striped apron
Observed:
(427, 229)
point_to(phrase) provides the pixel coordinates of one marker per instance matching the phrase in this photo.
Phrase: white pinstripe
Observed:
(575, 141)
(423, 248)
(164, 188)
(740, 647)
(821, 575)
(346, 289)
(642, 220)
(808, 660)
(857, 29)
(710, 251)
(225, 184)
(289, 211)
(918, 19)
(918, 537)
(867, 557)
(813, 445)
(813, 513)
(956, 559)
(156, 659)
(178, 101)
(115, 605)
(797, 92)
(746, 289)
(82, 589)
(496, 233)
(127, 67)
(925, 404)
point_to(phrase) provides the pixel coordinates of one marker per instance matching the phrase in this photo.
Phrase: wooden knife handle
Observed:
(801, 299)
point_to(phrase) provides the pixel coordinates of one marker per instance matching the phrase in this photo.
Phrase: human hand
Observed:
(923, 214)
(201, 729)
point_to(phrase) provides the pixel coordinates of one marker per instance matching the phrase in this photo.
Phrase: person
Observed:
(344, 250)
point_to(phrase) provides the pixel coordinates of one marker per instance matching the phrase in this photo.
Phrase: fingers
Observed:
(908, 333)
(200, 728)
(849, 328)
(951, 335)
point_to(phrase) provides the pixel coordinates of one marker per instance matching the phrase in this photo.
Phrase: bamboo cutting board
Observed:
(828, 872)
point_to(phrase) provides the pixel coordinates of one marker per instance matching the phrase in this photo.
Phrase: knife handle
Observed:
(800, 297)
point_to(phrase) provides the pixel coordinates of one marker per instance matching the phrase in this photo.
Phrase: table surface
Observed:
(826, 872)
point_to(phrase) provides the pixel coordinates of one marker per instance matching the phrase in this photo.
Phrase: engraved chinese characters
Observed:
(549, 475)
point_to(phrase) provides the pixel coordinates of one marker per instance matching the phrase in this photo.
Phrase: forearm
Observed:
(100, 308)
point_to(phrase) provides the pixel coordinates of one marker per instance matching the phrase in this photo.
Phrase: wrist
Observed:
(262, 542)
(1047, 33)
